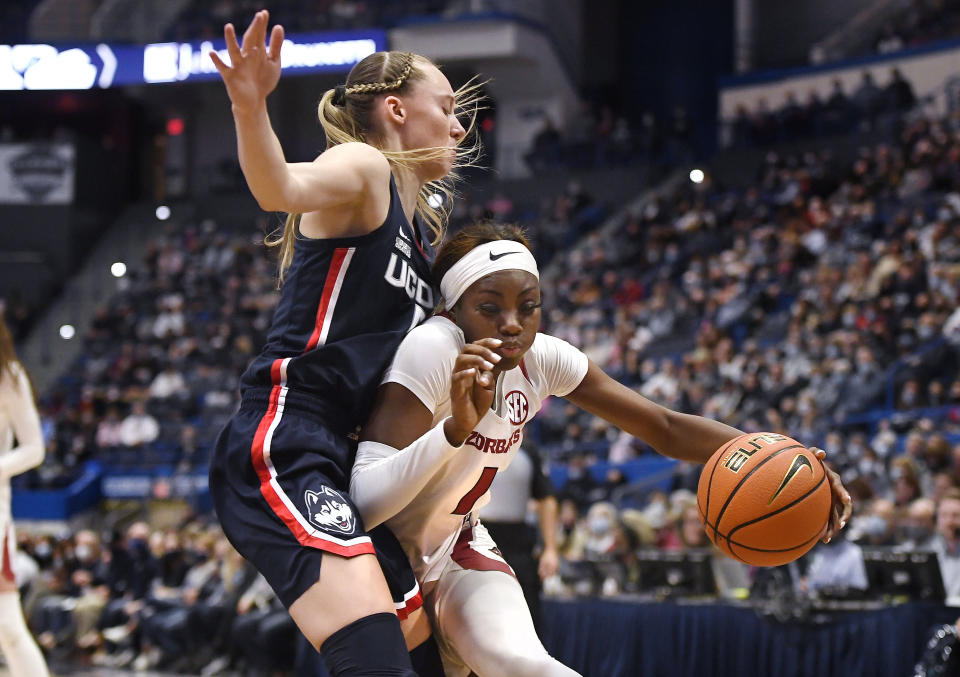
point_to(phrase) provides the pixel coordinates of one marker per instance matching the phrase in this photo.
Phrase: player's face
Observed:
(504, 305)
(431, 121)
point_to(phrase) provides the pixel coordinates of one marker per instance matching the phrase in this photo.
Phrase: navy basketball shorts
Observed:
(277, 493)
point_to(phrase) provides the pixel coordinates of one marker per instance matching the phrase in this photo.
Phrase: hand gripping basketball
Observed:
(765, 499)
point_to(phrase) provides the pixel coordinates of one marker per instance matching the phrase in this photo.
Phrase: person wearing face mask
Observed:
(605, 537)
(918, 526)
(18, 421)
(70, 619)
(607, 544)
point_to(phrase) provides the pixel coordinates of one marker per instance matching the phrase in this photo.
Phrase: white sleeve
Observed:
(424, 363)
(562, 366)
(16, 398)
(384, 479)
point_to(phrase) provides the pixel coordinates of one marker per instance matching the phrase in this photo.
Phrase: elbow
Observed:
(36, 458)
(281, 196)
(269, 204)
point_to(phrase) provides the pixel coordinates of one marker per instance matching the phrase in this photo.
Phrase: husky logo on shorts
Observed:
(329, 510)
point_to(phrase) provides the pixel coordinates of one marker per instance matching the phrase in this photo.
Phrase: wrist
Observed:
(454, 435)
(250, 111)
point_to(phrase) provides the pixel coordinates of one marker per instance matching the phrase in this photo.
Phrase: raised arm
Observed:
(16, 399)
(337, 178)
(681, 436)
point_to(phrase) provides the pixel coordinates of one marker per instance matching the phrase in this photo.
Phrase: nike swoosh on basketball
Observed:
(494, 257)
(799, 461)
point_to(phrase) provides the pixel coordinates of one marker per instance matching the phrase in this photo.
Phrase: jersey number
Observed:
(479, 489)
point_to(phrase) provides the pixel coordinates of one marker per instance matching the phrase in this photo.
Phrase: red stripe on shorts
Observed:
(410, 606)
(269, 491)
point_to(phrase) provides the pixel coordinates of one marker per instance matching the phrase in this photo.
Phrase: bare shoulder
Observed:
(360, 159)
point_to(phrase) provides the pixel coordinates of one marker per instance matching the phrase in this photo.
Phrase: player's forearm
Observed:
(21, 458)
(680, 436)
(262, 160)
(548, 522)
(385, 480)
(694, 438)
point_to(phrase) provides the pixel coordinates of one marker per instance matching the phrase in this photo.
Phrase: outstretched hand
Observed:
(254, 68)
(471, 388)
(842, 506)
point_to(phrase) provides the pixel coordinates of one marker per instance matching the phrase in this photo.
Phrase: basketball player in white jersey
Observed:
(18, 420)
(450, 415)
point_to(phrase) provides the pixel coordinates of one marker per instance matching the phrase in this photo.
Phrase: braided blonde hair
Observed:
(346, 114)
(382, 87)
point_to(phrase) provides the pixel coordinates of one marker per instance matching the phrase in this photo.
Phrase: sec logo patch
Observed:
(517, 407)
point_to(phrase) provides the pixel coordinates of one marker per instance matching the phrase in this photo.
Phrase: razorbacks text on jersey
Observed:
(428, 527)
(344, 307)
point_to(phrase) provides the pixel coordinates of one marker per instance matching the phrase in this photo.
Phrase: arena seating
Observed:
(770, 306)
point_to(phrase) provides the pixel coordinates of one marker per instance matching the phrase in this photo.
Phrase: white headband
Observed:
(481, 261)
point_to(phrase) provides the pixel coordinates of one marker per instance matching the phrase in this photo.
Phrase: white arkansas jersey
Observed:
(428, 526)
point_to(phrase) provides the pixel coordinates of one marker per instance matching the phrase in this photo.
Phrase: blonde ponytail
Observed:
(345, 113)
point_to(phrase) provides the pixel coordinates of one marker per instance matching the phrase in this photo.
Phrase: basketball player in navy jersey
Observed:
(450, 415)
(355, 264)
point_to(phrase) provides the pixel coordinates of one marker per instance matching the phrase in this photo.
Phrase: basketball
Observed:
(764, 499)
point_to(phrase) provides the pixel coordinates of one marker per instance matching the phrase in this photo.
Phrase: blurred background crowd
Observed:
(806, 281)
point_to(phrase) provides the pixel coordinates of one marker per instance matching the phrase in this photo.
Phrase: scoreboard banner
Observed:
(37, 173)
(85, 66)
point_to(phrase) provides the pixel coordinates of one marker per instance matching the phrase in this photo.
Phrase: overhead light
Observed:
(163, 212)
(67, 332)
(118, 269)
(696, 175)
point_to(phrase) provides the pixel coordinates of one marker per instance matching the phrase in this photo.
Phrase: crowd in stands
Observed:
(616, 539)
(870, 107)
(180, 599)
(597, 136)
(161, 361)
(919, 23)
(823, 291)
(820, 301)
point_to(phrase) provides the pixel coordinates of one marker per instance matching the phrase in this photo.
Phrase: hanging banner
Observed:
(86, 66)
(37, 173)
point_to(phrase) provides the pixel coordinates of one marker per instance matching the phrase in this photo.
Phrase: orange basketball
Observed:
(764, 499)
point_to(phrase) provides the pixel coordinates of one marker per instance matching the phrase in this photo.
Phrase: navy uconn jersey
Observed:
(344, 307)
